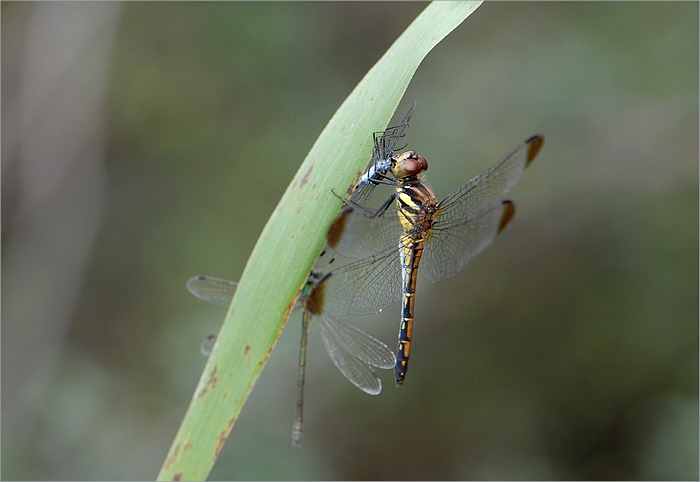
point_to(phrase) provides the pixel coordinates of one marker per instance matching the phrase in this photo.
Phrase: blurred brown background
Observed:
(144, 143)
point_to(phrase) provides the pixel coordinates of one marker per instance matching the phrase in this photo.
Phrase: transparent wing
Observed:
(363, 287)
(470, 218)
(355, 352)
(488, 189)
(355, 235)
(207, 345)
(211, 289)
(450, 247)
(385, 144)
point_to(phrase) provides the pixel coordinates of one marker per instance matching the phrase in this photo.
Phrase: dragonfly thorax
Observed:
(417, 207)
(409, 164)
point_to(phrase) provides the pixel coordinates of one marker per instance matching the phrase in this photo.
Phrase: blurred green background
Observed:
(144, 143)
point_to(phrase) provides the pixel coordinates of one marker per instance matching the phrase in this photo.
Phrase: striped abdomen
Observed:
(417, 207)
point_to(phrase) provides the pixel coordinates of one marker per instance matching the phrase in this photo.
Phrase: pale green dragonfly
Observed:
(353, 351)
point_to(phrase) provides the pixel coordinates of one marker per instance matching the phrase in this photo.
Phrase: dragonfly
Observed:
(383, 156)
(413, 228)
(353, 351)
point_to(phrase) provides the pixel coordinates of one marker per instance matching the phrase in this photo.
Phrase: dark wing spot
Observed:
(534, 145)
(508, 213)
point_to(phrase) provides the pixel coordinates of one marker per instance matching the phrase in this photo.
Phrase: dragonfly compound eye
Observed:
(409, 164)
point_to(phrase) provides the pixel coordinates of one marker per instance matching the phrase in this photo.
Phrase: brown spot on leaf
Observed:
(171, 460)
(211, 382)
(221, 439)
(213, 377)
(305, 179)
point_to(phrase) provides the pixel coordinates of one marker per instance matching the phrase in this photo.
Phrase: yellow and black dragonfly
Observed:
(353, 351)
(413, 228)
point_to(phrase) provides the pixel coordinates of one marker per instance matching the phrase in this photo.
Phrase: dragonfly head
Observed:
(409, 164)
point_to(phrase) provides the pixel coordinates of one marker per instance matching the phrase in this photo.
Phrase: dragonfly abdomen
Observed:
(416, 209)
(411, 252)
